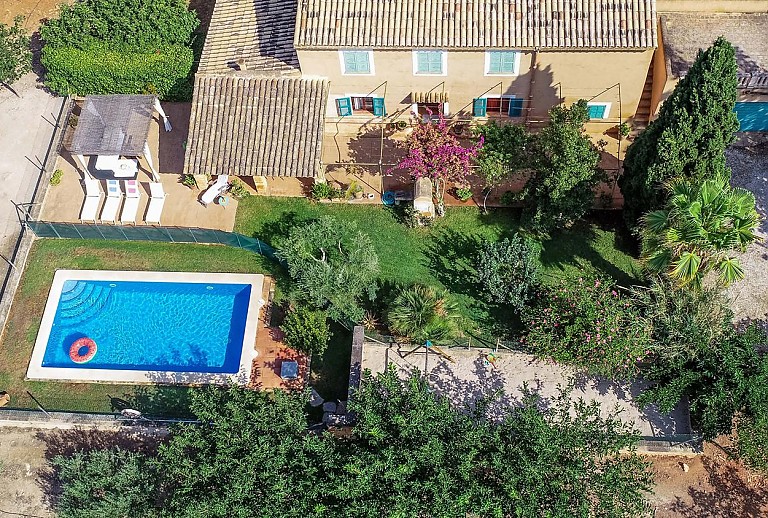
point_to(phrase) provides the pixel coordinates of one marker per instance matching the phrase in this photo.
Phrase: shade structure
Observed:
(113, 125)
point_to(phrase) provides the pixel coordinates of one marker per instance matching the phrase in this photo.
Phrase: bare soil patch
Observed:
(715, 486)
(33, 10)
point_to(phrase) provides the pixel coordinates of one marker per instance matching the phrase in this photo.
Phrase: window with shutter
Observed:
(429, 62)
(356, 62)
(344, 106)
(515, 107)
(598, 110)
(479, 107)
(501, 62)
(378, 107)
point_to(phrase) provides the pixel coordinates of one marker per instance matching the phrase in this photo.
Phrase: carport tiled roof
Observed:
(256, 126)
(685, 33)
(513, 24)
(258, 31)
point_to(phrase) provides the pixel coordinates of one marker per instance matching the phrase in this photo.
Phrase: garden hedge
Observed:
(100, 69)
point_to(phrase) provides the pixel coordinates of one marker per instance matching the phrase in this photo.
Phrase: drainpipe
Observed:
(531, 85)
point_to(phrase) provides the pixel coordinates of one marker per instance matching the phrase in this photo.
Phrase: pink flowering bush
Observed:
(587, 323)
(436, 154)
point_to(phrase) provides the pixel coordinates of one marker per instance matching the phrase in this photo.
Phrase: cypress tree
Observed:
(688, 139)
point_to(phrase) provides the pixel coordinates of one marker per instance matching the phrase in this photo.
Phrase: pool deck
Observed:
(271, 351)
(37, 371)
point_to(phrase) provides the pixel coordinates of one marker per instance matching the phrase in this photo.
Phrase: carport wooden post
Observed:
(81, 159)
(148, 158)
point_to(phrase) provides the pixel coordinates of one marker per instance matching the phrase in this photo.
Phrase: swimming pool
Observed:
(148, 327)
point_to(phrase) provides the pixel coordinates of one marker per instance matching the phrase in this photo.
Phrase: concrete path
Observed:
(26, 127)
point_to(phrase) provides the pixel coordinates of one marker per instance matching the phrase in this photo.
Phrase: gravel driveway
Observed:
(748, 160)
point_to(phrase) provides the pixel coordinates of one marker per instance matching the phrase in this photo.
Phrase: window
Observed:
(430, 111)
(360, 105)
(356, 62)
(430, 62)
(598, 110)
(502, 62)
(497, 105)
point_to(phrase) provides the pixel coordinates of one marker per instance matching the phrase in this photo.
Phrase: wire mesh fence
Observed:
(468, 341)
(150, 233)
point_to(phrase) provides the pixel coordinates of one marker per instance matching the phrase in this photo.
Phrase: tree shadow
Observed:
(578, 247)
(731, 494)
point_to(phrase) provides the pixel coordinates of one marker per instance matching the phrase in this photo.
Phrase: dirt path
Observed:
(33, 10)
(713, 487)
(22, 467)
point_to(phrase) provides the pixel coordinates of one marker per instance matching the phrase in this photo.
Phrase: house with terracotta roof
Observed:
(286, 88)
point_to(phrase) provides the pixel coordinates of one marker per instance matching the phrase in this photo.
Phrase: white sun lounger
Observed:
(92, 200)
(132, 199)
(111, 206)
(221, 184)
(156, 202)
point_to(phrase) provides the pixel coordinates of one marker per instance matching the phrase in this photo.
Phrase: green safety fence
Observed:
(150, 233)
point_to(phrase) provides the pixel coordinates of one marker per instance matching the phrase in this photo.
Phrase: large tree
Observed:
(699, 230)
(333, 265)
(414, 454)
(565, 171)
(15, 56)
(689, 137)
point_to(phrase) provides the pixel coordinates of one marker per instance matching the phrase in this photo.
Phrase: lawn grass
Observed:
(48, 255)
(444, 254)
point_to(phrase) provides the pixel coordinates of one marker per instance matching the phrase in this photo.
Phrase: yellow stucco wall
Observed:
(557, 76)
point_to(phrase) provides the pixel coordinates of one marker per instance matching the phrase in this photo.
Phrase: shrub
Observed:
(463, 193)
(507, 271)
(101, 70)
(56, 177)
(325, 191)
(585, 322)
(237, 189)
(306, 330)
(423, 313)
(15, 56)
(752, 441)
(120, 47)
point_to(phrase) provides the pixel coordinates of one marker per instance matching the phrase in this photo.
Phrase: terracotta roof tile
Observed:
(258, 31)
(476, 23)
(256, 126)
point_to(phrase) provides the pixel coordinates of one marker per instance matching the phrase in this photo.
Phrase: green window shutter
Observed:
(479, 107)
(356, 62)
(429, 62)
(501, 61)
(596, 111)
(344, 106)
(378, 107)
(515, 107)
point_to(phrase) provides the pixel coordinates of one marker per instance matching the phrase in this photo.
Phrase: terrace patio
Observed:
(64, 202)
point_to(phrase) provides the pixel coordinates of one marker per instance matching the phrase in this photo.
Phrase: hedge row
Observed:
(103, 70)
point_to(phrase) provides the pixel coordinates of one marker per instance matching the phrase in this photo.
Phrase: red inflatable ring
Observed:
(82, 350)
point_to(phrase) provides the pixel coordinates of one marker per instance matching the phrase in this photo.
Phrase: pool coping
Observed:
(36, 371)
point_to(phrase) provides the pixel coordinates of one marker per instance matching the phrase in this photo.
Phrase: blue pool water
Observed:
(152, 326)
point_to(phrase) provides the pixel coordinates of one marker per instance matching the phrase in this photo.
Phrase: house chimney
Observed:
(241, 64)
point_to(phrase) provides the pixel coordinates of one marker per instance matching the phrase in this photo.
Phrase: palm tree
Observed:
(423, 313)
(698, 230)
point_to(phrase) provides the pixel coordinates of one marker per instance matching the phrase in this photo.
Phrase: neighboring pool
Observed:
(149, 327)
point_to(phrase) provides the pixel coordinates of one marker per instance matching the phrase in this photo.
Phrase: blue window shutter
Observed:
(596, 111)
(515, 107)
(378, 107)
(344, 106)
(479, 107)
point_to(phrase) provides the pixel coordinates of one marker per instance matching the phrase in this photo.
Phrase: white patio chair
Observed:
(156, 202)
(213, 192)
(92, 200)
(126, 168)
(114, 197)
(131, 205)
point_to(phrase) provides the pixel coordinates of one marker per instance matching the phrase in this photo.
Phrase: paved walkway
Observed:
(26, 127)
